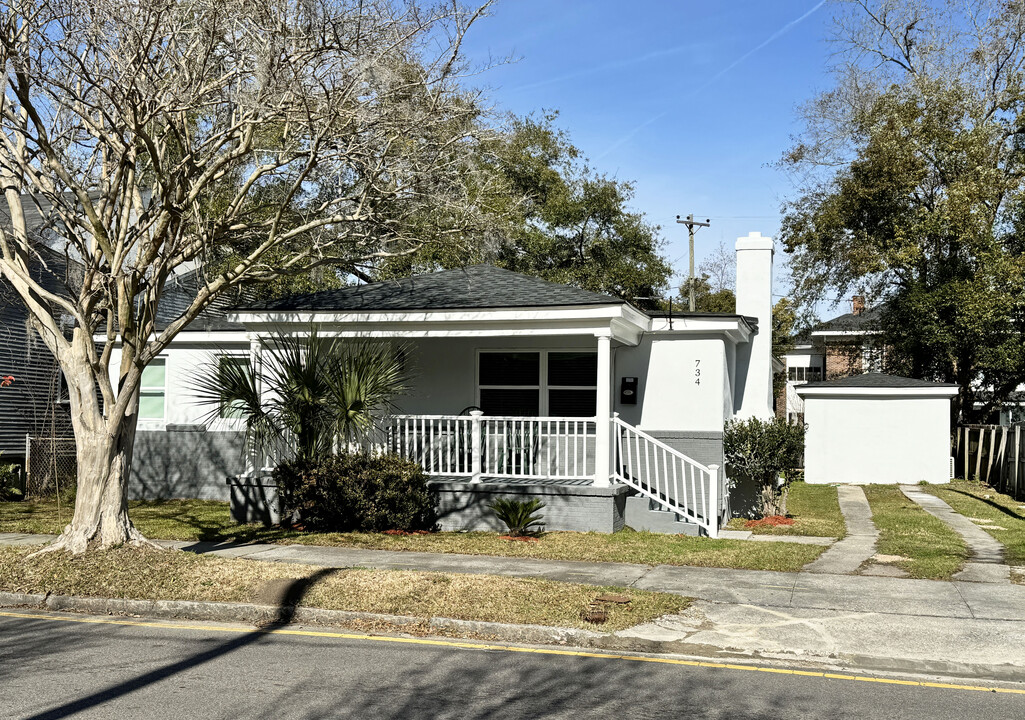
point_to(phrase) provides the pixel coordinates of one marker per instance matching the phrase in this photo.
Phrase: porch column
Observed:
(255, 460)
(603, 413)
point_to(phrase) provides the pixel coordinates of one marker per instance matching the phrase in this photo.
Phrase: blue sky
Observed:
(692, 101)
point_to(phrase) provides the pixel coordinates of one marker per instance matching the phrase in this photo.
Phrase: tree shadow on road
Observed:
(290, 597)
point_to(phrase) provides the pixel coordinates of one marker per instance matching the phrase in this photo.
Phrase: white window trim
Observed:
(225, 424)
(543, 388)
(161, 422)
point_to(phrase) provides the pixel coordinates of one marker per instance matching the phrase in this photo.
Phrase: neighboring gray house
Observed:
(35, 403)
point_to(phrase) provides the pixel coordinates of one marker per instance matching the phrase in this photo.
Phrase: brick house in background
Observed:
(843, 346)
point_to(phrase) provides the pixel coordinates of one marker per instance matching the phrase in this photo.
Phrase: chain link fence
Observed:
(51, 466)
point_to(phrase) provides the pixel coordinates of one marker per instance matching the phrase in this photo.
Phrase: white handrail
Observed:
(661, 473)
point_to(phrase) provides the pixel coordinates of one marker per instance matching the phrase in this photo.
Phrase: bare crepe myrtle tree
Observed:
(249, 139)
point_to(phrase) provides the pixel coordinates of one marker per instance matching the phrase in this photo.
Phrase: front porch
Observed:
(474, 459)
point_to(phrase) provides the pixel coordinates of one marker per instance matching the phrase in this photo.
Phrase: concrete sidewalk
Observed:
(844, 593)
(949, 628)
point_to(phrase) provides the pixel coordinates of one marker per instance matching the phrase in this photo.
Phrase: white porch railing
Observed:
(547, 448)
(667, 476)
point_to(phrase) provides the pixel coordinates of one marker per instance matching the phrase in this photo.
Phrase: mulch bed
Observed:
(770, 521)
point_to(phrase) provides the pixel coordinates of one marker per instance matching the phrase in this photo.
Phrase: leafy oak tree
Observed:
(256, 140)
(553, 217)
(911, 175)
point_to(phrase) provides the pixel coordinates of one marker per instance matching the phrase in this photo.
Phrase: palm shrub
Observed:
(311, 396)
(767, 452)
(520, 516)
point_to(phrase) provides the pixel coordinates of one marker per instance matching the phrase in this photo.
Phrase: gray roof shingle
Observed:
(473, 287)
(180, 291)
(876, 380)
(867, 320)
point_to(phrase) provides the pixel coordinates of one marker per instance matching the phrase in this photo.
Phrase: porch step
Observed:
(644, 514)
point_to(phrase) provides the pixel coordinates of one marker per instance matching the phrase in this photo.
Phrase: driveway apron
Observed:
(846, 556)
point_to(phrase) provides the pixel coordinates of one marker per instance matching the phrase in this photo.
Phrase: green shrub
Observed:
(768, 452)
(9, 489)
(356, 492)
(519, 515)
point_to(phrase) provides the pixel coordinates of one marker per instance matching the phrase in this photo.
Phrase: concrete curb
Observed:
(266, 614)
(499, 633)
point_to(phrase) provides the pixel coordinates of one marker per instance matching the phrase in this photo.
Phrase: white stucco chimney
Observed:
(754, 299)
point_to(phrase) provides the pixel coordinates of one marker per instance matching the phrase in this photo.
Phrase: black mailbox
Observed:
(628, 391)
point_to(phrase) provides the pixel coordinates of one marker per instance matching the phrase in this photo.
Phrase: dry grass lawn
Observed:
(137, 574)
(209, 521)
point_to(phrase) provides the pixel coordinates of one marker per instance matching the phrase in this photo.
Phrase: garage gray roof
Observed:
(876, 380)
(473, 287)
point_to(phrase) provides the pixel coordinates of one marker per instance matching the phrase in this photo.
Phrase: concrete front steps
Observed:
(645, 514)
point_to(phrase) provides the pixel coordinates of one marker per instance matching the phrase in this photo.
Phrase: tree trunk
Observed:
(105, 445)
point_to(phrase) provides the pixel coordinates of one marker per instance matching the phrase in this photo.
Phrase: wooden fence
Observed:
(993, 454)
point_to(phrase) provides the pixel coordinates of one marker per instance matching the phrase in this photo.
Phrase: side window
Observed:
(232, 368)
(152, 390)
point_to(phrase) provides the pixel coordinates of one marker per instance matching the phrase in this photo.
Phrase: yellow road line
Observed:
(516, 649)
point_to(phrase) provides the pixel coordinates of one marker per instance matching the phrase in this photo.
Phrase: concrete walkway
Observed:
(859, 545)
(987, 560)
(850, 593)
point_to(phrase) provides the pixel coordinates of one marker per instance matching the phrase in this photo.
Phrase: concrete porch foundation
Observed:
(581, 508)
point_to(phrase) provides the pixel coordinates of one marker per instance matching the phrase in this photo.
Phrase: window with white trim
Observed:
(233, 409)
(153, 390)
(804, 374)
(537, 383)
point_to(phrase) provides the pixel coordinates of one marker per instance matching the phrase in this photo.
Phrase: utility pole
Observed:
(691, 223)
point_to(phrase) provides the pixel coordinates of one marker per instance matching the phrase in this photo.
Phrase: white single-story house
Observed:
(877, 428)
(609, 414)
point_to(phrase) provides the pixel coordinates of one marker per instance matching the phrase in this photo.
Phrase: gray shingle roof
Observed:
(868, 319)
(180, 291)
(876, 380)
(474, 287)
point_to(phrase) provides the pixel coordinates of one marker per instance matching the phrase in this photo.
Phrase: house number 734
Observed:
(697, 372)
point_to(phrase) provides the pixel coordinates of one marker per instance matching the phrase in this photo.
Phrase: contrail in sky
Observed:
(775, 36)
(617, 65)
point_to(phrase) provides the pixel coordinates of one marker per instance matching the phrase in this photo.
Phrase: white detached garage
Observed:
(877, 428)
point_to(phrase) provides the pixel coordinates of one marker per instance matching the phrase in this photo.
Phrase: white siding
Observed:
(877, 439)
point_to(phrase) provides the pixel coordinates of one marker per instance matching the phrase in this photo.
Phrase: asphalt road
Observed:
(57, 666)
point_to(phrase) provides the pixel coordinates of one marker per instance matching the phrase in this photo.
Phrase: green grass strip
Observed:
(932, 549)
(1003, 517)
(209, 521)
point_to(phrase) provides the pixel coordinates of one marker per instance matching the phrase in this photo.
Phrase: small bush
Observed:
(767, 452)
(9, 489)
(355, 492)
(520, 516)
